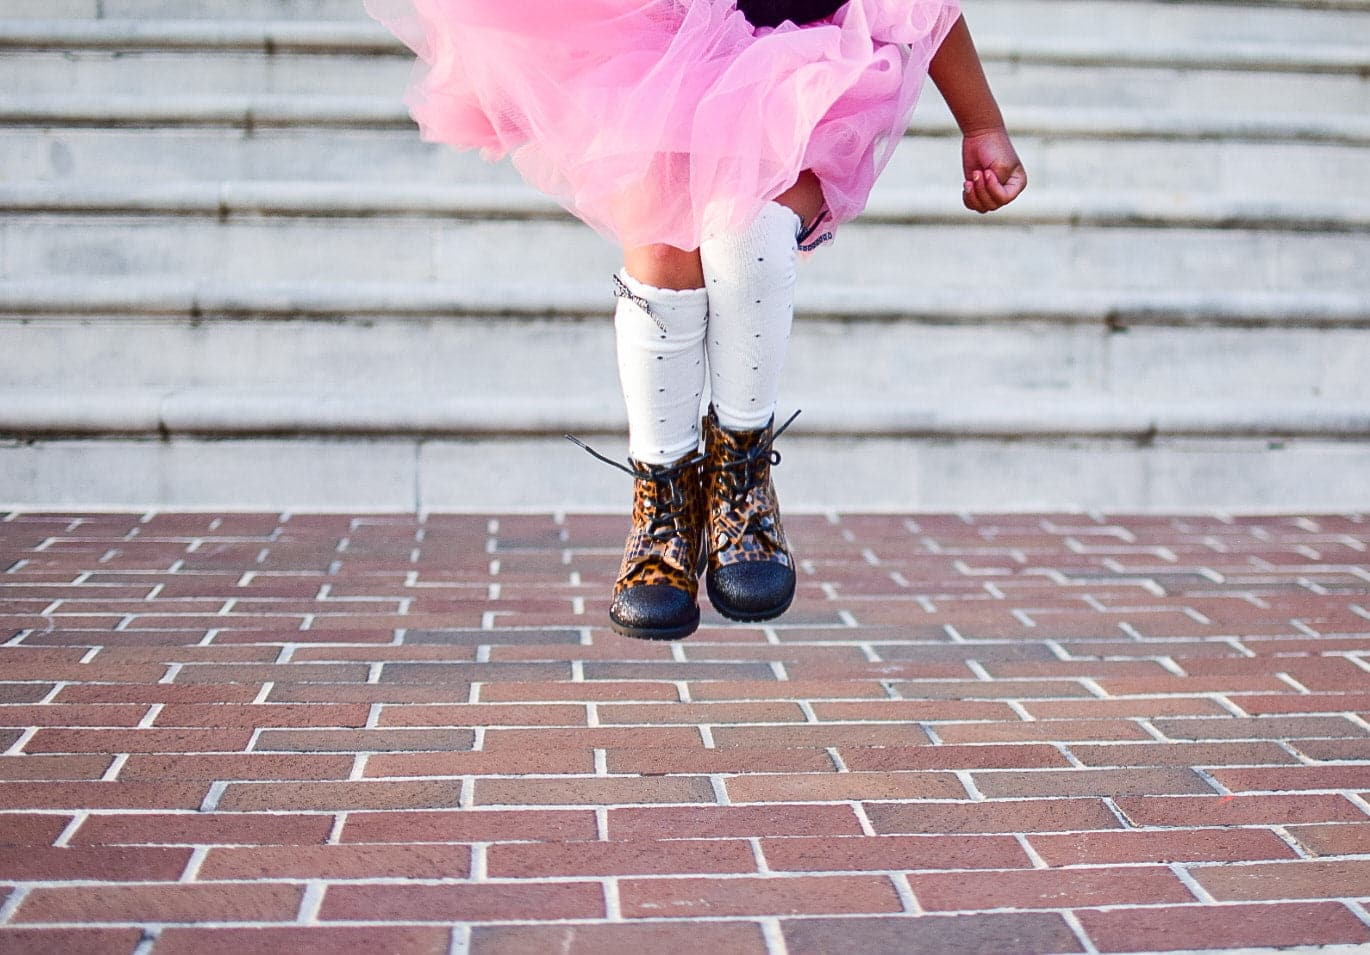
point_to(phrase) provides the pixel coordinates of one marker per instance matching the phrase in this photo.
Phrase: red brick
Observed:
(1146, 707)
(262, 902)
(1147, 649)
(915, 710)
(594, 737)
(267, 714)
(157, 693)
(1181, 754)
(894, 853)
(369, 653)
(102, 795)
(1306, 702)
(599, 859)
(1042, 730)
(1028, 815)
(91, 672)
(1260, 727)
(731, 938)
(195, 654)
(27, 829)
(471, 825)
(1347, 839)
(990, 689)
(1195, 685)
(695, 649)
(483, 714)
(139, 741)
(1218, 810)
(24, 692)
(802, 895)
(38, 768)
(311, 940)
(813, 735)
(270, 639)
(788, 689)
(340, 796)
(58, 714)
(1046, 888)
(48, 864)
(656, 762)
(204, 829)
(272, 673)
(1273, 881)
(69, 941)
(476, 903)
(1334, 749)
(1093, 669)
(915, 670)
(246, 766)
(593, 791)
(1028, 933)
(460, 673)
(1181, 845)
(1175, 928)
(1089, 782)
(724, 822)
(363, 741)
(579, 692)
(1284, 778)
(480, 763)
(695, 713)
(548, 645)
(1317, 673)
(1003, 756)
(336, 863)
(831, 787)
(365, 693)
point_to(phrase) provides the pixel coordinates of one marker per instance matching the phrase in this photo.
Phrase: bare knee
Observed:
(805, 197)
(665, 266)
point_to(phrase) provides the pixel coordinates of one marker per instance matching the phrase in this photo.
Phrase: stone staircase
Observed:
(231, 275)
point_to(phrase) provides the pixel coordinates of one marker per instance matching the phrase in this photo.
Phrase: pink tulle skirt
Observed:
(670, 120)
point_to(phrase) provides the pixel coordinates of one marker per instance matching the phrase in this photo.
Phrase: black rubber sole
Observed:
(745, 616)
(679, 632)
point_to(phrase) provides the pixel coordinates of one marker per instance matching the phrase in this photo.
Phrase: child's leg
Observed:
(659, 329)
(750, 277)
(659, 326)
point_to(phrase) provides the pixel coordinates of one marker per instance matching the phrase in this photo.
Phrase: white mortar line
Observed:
(774, 936)
(17, 747)
(1078, 928)
(65, 835)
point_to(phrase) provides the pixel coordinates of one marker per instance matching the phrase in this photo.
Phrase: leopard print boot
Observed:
(751, 572)
(656, 596)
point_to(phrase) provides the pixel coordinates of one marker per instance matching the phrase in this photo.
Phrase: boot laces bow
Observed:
(667, 505)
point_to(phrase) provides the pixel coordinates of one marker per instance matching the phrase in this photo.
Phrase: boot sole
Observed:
(679, 632)
(746, 616)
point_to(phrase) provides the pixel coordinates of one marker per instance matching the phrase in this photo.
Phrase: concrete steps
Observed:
(261, 288)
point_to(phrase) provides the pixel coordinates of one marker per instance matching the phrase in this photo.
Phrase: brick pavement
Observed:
(1032, 733)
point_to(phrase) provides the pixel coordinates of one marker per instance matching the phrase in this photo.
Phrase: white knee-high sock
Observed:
(660, 339)
(750, 277)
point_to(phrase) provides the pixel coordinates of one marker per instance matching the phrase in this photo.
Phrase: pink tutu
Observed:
(670, 120)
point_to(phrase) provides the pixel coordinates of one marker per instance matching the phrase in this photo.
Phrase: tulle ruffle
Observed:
(670, 120)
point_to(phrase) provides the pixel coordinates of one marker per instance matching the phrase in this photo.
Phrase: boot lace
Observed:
(742, 474)
(669, 505)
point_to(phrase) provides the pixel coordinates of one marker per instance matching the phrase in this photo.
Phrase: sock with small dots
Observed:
(750, 277)
(660, 339)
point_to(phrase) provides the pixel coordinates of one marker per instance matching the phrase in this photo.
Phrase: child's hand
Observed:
(994, 174)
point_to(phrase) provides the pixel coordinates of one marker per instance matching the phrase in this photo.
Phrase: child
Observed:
(713, 140)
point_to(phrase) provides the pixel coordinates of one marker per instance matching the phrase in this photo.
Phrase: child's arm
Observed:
(994, 173)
